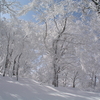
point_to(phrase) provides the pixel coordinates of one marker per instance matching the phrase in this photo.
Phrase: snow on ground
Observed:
(28, 89)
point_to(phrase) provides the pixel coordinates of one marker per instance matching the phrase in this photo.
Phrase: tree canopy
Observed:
(61, 48)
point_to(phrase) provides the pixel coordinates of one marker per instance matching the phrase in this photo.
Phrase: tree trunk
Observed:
(14, 63)
(17, 72)
(4, 73)
(74, 80)
(55, 80)
(74, 83)
(7, 60)
(6, 64)
(95, 80)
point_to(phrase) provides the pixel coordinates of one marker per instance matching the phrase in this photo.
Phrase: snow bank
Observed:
(28, 89)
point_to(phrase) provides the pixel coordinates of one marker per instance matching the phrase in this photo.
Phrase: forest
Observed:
(60, 48)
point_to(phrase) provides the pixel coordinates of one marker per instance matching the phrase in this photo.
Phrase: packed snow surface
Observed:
(28, 89)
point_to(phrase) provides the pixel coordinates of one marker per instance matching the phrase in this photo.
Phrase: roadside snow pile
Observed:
(27, 89)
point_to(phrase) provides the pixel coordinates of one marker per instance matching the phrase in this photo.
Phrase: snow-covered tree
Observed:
(64, 34)
(9, 7)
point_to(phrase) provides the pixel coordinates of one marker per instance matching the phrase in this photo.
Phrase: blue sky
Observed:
(27, 16)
